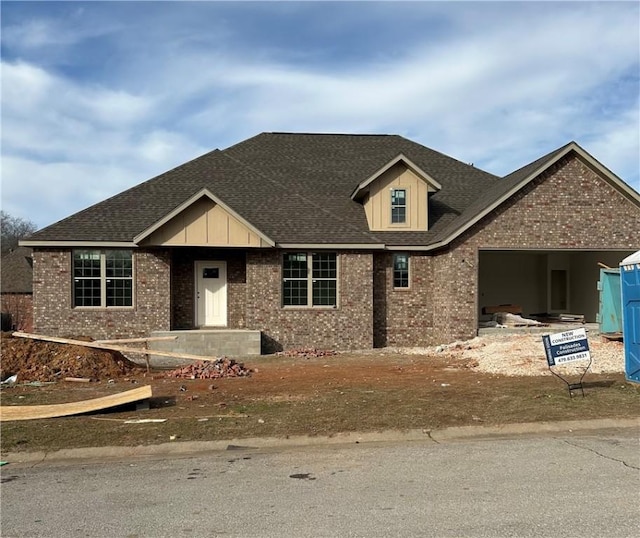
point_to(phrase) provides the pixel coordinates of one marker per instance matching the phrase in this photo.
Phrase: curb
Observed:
(446, 435)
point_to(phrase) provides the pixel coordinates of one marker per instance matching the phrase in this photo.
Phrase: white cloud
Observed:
(42, 33)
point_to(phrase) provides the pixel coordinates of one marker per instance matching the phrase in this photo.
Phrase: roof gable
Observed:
(513, 183)
(203, 220)
(433, 185)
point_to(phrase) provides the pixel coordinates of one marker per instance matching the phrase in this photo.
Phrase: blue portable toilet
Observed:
(630, 284)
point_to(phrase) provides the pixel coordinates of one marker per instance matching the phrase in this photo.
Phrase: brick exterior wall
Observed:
(567, 207)
(55, 316)
(19, 308)
(350, 326)
(183, 285)
(402, 315)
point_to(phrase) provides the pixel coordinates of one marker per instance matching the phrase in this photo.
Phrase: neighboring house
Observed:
(16, 287)
(336, 241)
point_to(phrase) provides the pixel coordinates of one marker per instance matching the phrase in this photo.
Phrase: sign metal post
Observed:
(566, 347)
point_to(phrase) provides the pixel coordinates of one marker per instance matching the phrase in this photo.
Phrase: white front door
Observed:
(211, 294)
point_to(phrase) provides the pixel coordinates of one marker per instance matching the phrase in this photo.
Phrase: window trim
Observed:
(103, 280)
(310, 279)
(393, 271)
(392, 206)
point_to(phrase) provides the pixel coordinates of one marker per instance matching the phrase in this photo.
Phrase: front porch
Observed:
(232, 343)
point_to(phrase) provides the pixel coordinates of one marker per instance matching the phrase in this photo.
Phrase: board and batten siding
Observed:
(378, 204)
(204, 223)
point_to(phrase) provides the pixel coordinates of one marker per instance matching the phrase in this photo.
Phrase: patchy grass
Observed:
(321, 396)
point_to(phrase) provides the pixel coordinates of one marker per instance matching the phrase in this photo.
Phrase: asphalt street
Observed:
(570, 485)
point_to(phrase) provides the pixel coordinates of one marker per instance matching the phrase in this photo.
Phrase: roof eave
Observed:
(76, 243)
(341, 246)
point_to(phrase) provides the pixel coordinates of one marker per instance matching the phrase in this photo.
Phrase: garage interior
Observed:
(543, 281)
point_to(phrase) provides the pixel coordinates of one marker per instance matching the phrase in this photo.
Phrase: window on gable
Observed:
(400, 270)
(398, 206)
(310, 279)
(102, 278)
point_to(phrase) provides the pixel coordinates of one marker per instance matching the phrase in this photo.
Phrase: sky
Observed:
(100, 96)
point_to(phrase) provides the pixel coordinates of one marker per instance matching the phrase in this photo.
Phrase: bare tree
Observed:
(14, 229)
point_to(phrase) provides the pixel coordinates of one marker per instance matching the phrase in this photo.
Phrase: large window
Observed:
(398, 206)
(102, 278)
(310, 279)
(400, 270)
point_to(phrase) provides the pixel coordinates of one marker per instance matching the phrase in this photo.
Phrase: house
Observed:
(16, 290)
(336, 241)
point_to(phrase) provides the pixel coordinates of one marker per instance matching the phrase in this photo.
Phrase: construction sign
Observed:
(569, 346)
(566, 347)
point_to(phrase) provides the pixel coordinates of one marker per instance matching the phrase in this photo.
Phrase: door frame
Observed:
(198, 265)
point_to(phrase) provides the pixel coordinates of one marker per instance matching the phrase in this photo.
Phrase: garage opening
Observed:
(552, 282)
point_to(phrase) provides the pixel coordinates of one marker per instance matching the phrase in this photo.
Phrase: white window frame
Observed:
(103, 280)
(310, 279)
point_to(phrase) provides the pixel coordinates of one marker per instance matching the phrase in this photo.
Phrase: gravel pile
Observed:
(521, 355)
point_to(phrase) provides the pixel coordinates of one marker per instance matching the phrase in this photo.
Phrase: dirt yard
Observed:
(489, 380)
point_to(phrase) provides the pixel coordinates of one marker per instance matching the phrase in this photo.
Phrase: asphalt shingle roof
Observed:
(295, 188)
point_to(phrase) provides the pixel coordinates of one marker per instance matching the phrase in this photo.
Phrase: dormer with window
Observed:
(396, 197)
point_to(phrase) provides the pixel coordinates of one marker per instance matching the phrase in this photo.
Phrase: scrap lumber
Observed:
(136, 340)
(496, 309)
(513, 320)
(121, 349)
(34, 412)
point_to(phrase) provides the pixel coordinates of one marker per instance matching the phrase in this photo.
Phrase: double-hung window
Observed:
(310, 279)
(102, 278)
(400, 271)
(398, 206)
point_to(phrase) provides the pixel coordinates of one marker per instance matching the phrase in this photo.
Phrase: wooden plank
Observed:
(34, 412)
(135, 340)
(495, 309)
(111, 347)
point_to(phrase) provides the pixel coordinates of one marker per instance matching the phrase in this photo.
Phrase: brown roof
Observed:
(17, 271)
(296, 188)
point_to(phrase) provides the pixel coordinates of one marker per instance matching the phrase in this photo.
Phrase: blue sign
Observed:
(566, 347)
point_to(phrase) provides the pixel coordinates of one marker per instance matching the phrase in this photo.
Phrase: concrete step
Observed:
(231, 343)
